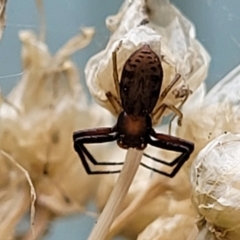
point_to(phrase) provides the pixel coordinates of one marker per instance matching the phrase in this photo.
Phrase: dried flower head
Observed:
(37, 122)
(207, 117)
(213, 125)
(138, 22)
(215, 175)
(171, 38)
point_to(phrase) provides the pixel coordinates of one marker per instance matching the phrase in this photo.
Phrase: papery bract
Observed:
(168, 33)
(210, 116)
(215, 175)
(47, 105)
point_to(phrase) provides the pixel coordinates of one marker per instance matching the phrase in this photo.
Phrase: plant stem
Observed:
(130, 167)
(155, 188)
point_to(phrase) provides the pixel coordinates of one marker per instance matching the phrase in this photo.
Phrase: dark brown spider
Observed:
(139, 91)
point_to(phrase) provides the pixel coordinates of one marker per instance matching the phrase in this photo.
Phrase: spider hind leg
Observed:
(171, 143)
(99, 135)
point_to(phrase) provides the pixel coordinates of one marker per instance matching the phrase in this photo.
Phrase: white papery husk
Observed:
(150, 196)
(217, 114)
(215, 175)
(208, 117)
(47, 105)
(14, 188)
(168, 33)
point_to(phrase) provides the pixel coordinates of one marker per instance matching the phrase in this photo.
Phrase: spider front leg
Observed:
(169, 87)
(115, 101)
(98, 135)
(115, 68)
(159, 112)
(173, 144)
(161, 107)
(181, 93)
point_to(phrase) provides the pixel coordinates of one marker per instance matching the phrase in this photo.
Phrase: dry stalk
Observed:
(130, 167)
(156, 187)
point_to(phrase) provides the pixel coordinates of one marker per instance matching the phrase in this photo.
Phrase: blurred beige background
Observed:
(217, 23)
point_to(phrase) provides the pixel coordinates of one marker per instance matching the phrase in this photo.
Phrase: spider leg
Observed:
(169, 87)
(115, 101)
(167, 60)
(160, 106)
(173, 144)
(159, 112)
(167, 90)
(185, 96)
(115, 68)
(99, 135)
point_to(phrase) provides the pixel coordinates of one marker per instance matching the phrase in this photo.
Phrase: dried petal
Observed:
(49, 104)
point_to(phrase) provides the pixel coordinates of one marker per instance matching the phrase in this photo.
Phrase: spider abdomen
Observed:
(141, 82)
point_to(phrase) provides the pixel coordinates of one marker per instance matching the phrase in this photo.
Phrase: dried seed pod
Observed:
(210, 116)
(49, 105)
(170, 35)
(215, 175)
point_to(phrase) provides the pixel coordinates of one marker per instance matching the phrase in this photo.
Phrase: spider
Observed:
(139, 89)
